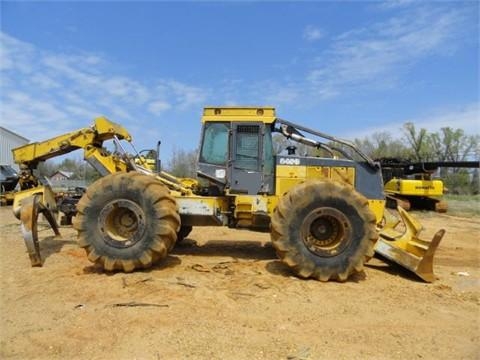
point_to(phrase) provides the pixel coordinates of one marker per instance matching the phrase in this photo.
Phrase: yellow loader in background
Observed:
(326, 214)
(410, 185)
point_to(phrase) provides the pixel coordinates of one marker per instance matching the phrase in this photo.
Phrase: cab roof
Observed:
(264, 114)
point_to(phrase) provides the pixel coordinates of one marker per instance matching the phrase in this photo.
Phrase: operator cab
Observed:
(236, 152)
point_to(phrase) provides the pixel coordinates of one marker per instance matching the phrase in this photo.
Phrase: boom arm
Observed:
(410, 168)
(292, 131)
(399, 168)
(89, 139)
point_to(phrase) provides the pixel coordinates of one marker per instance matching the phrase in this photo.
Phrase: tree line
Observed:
(420, 145)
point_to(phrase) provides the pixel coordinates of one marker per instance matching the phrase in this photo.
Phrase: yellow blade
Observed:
(406, 248)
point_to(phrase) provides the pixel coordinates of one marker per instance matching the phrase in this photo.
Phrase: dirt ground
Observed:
(223, 295)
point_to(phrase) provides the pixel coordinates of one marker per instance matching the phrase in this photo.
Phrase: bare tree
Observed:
(418, 141)
(382, 145)
(453, 145)
(183, 163)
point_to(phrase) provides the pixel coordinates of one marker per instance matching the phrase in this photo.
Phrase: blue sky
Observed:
(345, 68)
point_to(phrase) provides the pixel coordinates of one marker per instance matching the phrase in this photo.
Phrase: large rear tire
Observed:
(127, 221)
(324, 230)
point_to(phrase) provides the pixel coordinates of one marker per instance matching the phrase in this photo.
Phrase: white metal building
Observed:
(8, 141)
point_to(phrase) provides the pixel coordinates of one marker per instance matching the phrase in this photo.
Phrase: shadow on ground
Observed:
(242, 249)
(392, 268)
(169, 262)
(51, 245)
(277, 267)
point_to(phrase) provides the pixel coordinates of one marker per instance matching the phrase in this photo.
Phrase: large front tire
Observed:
(127, 221)
(324, 230)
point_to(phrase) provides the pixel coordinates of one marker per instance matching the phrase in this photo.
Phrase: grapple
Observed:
(27, 208)
(404, 246)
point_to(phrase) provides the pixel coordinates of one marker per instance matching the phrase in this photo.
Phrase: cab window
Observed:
(215, 144)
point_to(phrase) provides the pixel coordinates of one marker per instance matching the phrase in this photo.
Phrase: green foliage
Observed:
(475, 183)
(46, 168)
(382, 145)
(91, 174)
(419, 142)
(463, 205)
(453, 145)
(458, 183)
(420, 145)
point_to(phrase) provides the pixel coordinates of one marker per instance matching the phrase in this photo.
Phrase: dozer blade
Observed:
(31, 208)
(406, 248)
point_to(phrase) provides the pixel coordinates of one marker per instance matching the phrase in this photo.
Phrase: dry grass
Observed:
(463, 205)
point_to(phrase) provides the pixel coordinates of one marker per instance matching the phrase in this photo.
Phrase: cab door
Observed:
(249, 172)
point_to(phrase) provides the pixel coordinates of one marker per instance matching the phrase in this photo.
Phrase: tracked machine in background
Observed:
(410, 184)
(326, 215)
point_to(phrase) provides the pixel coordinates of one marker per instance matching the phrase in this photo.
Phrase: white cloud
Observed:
(41, 88)
(71, 67)
(45, 82)
(187, 95)
(15, 54)
(80, 111)
(394, 4)
(282, 96)
(126, 88)
(312, 33)
(30, 116)
(466, 118)
(158, 107)
(272, 93)
(377, 54)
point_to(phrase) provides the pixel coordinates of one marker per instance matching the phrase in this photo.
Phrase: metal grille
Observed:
(247, 147)
(248, 129)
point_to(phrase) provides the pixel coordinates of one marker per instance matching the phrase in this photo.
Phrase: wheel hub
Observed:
(326, 231)
(122, 223)
(323, 229)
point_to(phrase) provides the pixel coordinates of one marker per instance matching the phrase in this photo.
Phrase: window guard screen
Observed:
(247, 147)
